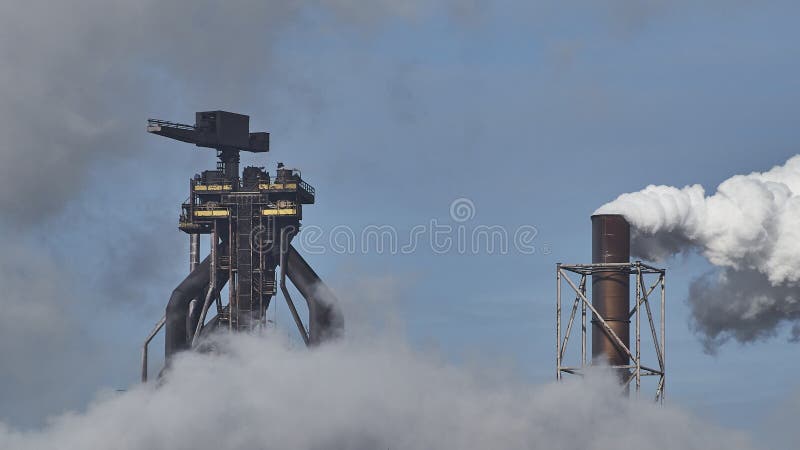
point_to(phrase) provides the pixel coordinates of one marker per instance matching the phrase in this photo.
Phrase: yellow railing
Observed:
(279, 212)
(211, 213)
(277, 186)
(212, 187)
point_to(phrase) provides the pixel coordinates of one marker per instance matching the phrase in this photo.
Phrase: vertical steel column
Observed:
(558, 321)
(639, 292)
(583, 323)
(232, 282)
(194, 251)
(663, 339)
(611, 290)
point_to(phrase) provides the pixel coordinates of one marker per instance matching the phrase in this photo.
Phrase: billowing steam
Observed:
(77, 81)
(748, 228)
(258, 394)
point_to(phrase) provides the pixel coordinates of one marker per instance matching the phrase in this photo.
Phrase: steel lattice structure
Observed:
(643, 275)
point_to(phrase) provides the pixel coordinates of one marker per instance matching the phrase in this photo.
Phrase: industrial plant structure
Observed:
(250, 220)
(611, 271)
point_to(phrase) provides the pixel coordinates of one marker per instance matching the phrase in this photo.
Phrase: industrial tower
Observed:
(609, 304)
(251, 219)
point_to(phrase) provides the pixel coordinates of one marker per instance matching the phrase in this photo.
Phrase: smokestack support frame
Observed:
(647, 280)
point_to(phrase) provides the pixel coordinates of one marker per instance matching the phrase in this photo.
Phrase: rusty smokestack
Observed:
(611, 289)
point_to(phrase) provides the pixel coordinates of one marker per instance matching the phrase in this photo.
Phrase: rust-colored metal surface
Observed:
(611, 289)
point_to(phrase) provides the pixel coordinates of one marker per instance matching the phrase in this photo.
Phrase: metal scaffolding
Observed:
(643, 275)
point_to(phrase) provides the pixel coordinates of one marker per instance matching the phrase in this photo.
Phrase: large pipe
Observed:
(194, 261)
(194, 251)
(325, 320)
(611, 289)
(210, 292)
(193, 286)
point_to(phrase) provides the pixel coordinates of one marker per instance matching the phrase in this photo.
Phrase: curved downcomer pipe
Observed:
(193, 286)
(325, 321)
(611, 290)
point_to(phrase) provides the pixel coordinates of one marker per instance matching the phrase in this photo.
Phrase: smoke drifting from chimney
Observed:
(748, 228)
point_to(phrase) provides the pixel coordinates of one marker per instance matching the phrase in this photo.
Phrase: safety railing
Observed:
(307, 187)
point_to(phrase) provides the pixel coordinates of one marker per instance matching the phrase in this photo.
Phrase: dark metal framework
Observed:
(647, 279)
(250, 220)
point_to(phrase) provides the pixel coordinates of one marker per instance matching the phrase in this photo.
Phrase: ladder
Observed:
(242, 315)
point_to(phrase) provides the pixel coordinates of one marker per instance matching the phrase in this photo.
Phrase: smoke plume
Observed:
(79, 78)
(363, 395)
(747, 229)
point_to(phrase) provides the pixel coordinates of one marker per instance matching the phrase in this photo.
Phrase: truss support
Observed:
(647, 280)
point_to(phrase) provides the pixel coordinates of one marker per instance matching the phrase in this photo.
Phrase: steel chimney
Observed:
(611, 288)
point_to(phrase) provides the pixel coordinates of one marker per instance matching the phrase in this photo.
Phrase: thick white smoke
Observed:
(77, 81)
(748, 228)
(364, 395)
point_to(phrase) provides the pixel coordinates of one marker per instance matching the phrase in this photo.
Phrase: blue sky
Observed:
(537, 114)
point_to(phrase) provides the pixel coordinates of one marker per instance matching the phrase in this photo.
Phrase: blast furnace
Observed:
(250, 218)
